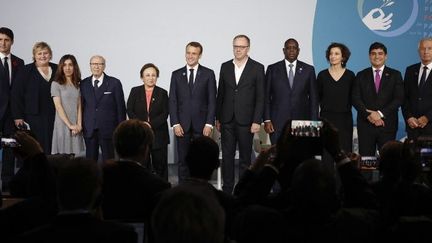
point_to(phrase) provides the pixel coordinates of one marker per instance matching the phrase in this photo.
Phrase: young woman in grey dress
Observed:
(67, 135)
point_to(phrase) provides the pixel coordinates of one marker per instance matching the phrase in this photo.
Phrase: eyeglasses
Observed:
(240, 47)
(96, 64)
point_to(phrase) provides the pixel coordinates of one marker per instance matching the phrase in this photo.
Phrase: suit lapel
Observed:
(385, 76)
(197, 78)
(297, 75)
(102, 89)
(153, 98)
(245, 72)
(14, 66)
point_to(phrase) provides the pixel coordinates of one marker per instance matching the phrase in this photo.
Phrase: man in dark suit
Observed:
(103, 109)
(10, 65)
(240, 105)
(417, 108)
(291, 91)
(192, 103)
(377, 94)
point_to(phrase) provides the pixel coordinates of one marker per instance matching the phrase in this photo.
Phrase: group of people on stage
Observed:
(66, 112)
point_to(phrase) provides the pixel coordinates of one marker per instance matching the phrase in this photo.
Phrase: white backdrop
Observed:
(131, 33)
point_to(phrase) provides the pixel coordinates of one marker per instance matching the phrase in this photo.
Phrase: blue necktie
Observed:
(291, 75)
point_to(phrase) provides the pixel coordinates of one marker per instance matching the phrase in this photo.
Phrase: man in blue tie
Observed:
(377, 94)
(192, 103)
(290, 91)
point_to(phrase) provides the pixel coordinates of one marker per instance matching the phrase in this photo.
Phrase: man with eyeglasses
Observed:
(240, 104)
(103, 108)
(291, 91)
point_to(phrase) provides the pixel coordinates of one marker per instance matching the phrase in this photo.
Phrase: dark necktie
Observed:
(423, 77)
(377, 80)
(191, 79)
(291, 75)
(96, 87)
(6, 68)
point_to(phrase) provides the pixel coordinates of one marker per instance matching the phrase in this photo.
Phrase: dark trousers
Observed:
(94, 142)
(372, 138)
(182, 149)
(233, 133)
(158, 162)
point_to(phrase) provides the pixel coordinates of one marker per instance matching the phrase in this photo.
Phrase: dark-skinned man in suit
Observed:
(295, 99)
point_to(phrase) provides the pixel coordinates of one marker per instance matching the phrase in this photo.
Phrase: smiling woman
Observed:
(31, 97)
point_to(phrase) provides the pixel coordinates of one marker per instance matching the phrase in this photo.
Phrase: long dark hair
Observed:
(60, 76)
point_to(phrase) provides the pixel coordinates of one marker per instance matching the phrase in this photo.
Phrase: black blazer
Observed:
(157, 115)
(25, 91)
(245, 100)
(418, 101)
(5, 87)
(390, 96)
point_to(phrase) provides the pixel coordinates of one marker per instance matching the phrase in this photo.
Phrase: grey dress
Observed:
(63, 141)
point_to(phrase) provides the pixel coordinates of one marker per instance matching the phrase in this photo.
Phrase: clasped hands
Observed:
(75, 129)
(420, 122)
(375, 118)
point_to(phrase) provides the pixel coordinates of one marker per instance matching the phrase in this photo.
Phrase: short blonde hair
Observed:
(40, 46)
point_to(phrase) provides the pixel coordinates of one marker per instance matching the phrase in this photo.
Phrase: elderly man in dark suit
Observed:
(192, 103)
(291, 91)
(103, 109)
(240, 105)
(377, 94)
(417, 108)
(10, 65)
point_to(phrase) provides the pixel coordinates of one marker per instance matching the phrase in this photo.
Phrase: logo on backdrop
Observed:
(387, 18)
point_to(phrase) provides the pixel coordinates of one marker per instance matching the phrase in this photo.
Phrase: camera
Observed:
(9, 143)
(423, 148)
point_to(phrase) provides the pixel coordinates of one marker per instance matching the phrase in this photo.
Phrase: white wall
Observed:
(131, 33)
